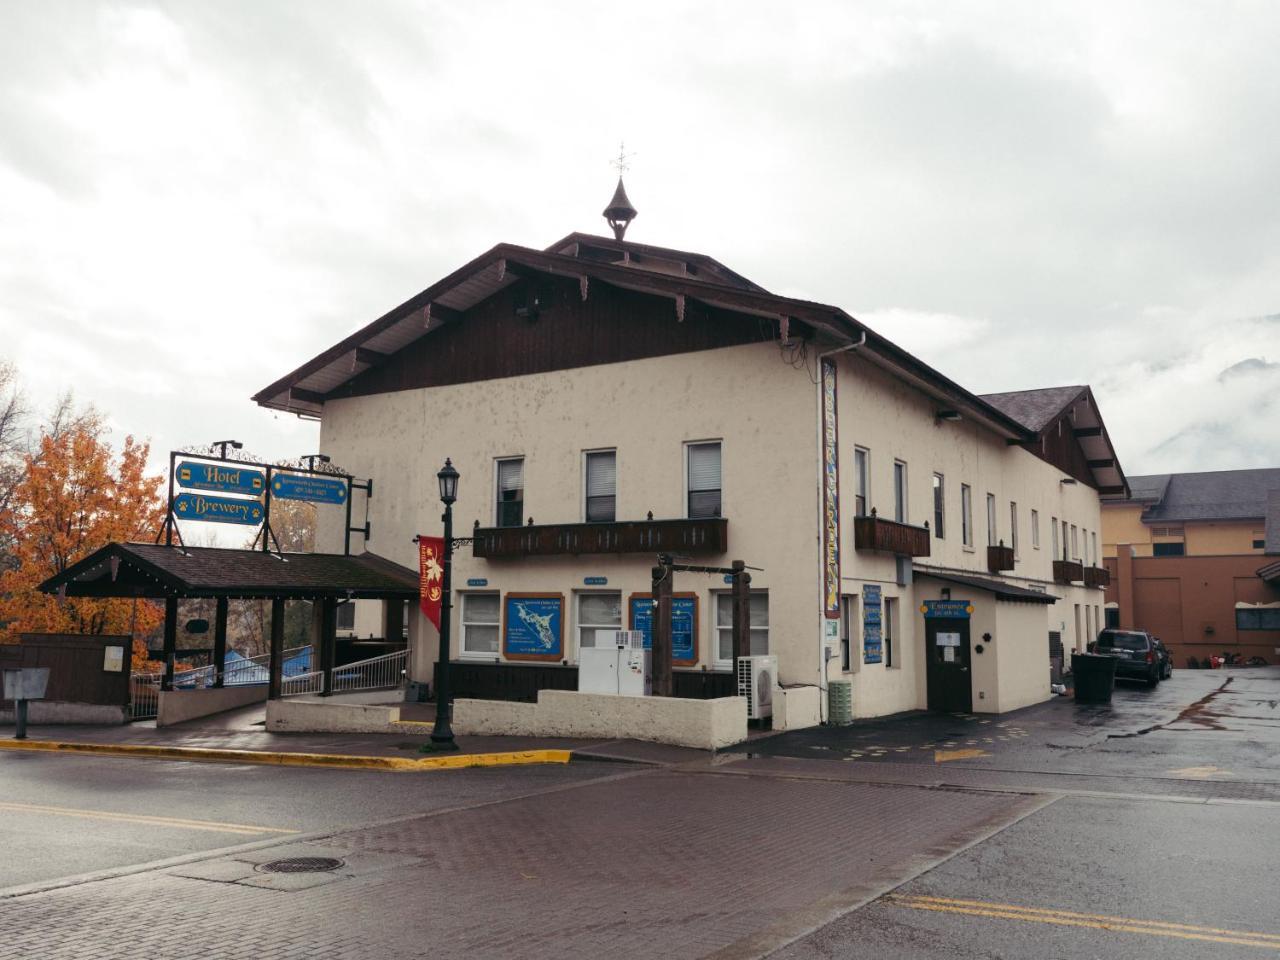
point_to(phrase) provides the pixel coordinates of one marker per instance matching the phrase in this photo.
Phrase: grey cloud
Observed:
(1252, 365)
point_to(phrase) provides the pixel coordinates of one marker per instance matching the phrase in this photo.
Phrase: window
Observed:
(848, 630)
(1013, 527)
(1259, 544)
(991, 519)
(480, 624)
(1053, 528)
(601, 486)
(759, 624)
(966, 515)
(1168, 549)
(510, 512)
(1261, 618)
(939, 505)
(1064, 541)
(1075, 544)
(890, 617)
(899, 491)
(346, 619)
(599, 617)
(704, 479)
(1094, 538)
(1035, 529)
(861, 490)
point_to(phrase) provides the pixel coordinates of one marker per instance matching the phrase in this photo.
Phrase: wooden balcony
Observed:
(1068, 571)
(876, 533)
(1097, 577)
(702, 537)
(999, 558)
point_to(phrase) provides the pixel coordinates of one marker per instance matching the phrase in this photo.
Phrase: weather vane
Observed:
(621, 161)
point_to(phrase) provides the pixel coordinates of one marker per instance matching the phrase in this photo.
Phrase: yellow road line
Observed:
(393, 764)
(212, 825)
(1068, 918)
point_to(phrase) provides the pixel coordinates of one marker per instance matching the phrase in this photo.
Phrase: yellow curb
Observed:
(392, 764)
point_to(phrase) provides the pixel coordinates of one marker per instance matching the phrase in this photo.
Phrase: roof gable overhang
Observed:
(1100, 464)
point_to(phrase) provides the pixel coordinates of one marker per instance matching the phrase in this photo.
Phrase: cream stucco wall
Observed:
(1122, 523)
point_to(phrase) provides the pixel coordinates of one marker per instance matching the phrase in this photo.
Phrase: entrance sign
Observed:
(533, 626)
(684, 624)
(196, 506)
(292, 486)
(830, 494)
(872, 641)
(947, 609)
(221, 478)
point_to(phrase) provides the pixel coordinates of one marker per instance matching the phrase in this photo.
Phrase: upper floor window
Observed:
(1035, 529)
(1013, 527)
(1177, 549)
(899, 491)
(966, 514)
(1094, 537)
(991, 519)
(939, 505)
(703, 479)
(861, 480)
(510, 511)
(1065, 542)
(601, 486)
(1053, 529)
(1075, 544)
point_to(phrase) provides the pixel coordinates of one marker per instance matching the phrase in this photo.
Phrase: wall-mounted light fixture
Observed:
(1068, 481)
(950, 416)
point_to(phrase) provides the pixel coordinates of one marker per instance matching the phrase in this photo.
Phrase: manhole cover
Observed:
(301, 865)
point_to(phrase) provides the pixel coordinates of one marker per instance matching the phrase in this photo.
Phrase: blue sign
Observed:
(684, 625)
(477, 582)
(196, 506)
(293, 486)
(947, 609)
(220, 477)
(872, 639)
(595, 581)
(533, 626)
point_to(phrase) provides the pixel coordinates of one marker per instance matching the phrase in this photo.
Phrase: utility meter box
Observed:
(621, 667)
(29, 683)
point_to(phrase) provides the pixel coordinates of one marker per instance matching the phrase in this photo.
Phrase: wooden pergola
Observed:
(172, 573)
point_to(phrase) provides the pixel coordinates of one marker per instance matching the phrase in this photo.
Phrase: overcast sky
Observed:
(197, 197)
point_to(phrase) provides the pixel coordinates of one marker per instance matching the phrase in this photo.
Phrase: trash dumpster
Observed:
(1095, 677)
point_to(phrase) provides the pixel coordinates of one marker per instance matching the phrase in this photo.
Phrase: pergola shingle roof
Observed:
(156, 570)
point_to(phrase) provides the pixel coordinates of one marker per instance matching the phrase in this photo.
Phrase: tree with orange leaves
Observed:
(74, 497)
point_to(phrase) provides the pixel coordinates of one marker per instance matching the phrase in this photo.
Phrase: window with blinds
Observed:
(510, 512)
(602, 486)
(704, 479)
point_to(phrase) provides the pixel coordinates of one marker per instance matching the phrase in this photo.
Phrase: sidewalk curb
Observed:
(214, 755)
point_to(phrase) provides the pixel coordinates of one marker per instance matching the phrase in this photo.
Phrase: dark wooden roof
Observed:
(1270, 573)
(155, 570)
(1002, 590)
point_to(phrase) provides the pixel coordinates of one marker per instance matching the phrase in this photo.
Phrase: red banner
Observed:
(431, 576)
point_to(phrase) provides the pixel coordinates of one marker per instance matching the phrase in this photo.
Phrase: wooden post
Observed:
(219, 640)
(277, 649)
(170, 640)
(660, 654)
(741, 623)
(328, 640)
(393, 620)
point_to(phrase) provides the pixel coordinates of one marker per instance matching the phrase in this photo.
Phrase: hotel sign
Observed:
(220, 478)
(830, 493)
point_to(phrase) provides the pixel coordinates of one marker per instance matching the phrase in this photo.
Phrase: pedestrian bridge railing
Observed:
(376, 673)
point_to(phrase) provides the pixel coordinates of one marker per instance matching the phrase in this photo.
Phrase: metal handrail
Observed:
(301, 683)
(208, 675)
(376, 673)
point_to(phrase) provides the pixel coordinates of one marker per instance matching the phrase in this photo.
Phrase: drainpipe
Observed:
(822, 560)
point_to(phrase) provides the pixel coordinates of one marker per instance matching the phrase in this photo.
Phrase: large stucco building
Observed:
(605, 400)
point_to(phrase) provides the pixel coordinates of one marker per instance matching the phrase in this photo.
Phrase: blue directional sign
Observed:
(220, 477)
(196, 506)
(293, 486)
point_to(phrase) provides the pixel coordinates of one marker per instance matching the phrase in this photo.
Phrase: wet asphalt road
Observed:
(64, 815)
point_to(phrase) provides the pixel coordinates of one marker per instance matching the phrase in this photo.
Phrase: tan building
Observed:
(1195, 559)
(605, 401)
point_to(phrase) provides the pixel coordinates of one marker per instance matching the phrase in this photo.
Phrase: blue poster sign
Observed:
(948, 609)
(872, 640)
(293, 486)
(220, 478)
(196, 506)
(684, 625)
(533, 626)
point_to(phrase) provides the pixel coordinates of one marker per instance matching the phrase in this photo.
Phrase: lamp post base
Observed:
(439, 746)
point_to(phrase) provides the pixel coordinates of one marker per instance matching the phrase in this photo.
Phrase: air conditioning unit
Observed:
(757, 676)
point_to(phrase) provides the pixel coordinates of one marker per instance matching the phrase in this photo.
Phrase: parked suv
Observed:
(1164, 658)
(1137, 655)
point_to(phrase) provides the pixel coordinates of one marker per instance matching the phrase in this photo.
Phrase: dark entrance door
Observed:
(947, 664)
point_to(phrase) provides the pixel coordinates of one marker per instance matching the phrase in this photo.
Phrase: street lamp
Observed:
(442, 732)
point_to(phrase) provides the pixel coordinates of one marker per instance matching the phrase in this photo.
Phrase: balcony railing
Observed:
(1068, 571)
(701, 537)
(1097, 577)
(999, 558)
(876, 533)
